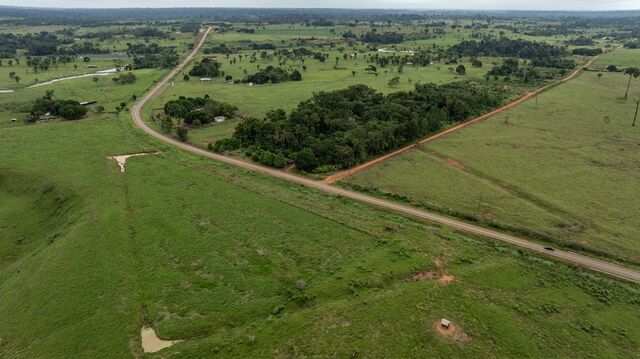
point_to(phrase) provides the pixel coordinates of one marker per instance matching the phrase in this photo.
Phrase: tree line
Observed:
(67, 109)
(541, 54)
(197, 110)
(339, 129)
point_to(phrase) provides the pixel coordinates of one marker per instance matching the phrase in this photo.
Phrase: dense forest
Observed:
(47, 105)
(312, 17)
(198, 110)
(273, 75)
(152, 55)
(206, 67)
(540, 53)
(386, 37)
(339, 129)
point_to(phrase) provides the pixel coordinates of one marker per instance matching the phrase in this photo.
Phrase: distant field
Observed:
(255, 101)
(563, 171)
(105, 91)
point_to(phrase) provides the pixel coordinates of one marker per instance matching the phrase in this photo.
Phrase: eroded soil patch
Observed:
(151, 343)
(453, 332)
(441, 274)
(122, 159)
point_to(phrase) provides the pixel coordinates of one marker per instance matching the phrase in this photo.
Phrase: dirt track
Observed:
(570, 257)
(351, 171)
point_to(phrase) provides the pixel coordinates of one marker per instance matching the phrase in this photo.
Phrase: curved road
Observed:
(569, 257)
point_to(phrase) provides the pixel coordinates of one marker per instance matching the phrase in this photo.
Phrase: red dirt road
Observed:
(598, 265)
(351, 171)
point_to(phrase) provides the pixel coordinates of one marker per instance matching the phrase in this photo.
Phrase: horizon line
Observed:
(308, 8)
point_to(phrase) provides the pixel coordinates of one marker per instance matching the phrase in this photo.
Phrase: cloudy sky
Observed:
(370, 4)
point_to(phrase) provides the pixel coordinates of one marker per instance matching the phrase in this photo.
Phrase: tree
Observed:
(353, 73)
(394, 81)
(636, 114)
(166, 123)
(72, 111)
(17, 78)
(306, 160)
(186, 77)
(125, 79)
(182, 133)
(612, 68)
(207, 67)
(633, 72)
(599, 75)
(461, 70)
(95, 79)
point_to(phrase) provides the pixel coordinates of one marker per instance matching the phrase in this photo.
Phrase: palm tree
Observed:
(633, 72)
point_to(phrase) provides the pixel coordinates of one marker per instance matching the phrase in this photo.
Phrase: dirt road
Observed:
(570, 257)
(351, 171)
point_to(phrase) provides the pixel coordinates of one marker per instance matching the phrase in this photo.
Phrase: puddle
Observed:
(122, 159)
(98, 73)
(151, 343)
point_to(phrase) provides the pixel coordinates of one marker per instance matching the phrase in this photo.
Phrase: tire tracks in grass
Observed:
(509, 189)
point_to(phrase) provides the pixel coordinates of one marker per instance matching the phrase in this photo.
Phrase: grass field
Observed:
(236, 264)
(561, 171)
(105, 91)
(210, 254)
(255, 101)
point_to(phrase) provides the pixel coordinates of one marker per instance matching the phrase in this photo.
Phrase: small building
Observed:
(92, 66)
(14, 120)
(219, 119)
(445, 323)
(205, 79)
(88, 103)
(250, 84)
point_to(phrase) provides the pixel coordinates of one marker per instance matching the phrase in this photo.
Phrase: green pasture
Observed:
(565, 172)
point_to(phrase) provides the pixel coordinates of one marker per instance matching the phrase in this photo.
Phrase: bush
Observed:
(182, 134)
(125, 79)
(206, 68)
(226, 144)
(306, 160)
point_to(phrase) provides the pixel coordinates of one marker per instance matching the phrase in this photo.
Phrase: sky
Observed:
(369, 4)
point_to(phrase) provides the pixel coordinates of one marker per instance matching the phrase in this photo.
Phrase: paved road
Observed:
(570, 257)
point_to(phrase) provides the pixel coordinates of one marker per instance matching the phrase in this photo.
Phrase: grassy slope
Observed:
(205, 253)
(556, 169)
